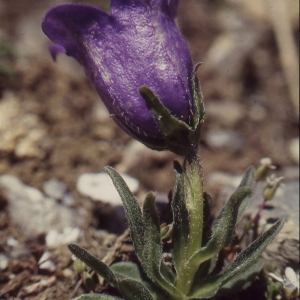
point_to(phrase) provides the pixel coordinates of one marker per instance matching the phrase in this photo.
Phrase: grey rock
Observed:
(33, 212)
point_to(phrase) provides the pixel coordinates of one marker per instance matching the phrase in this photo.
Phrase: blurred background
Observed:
(54, 128)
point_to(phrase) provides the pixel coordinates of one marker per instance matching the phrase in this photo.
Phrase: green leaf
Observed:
(155, 268)
(223, 228)
(96, 297)
(180, 218)
(242, 279)
(152, 249)
(132, 210)
(126, 269)
(209, 287)
(247, 181)
(94, 263)
(129, 270)
(133, 290)
(207, 207)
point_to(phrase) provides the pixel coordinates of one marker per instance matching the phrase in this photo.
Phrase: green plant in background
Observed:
(140, 65)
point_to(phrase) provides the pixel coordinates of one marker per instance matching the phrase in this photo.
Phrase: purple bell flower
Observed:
(133, 56)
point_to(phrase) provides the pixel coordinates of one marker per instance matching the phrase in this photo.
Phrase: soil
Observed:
(57, 127)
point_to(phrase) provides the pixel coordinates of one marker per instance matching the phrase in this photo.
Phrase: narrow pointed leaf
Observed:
(132, 210)
(129, 270)
(126, 269)
(180, 218)
(155, 267)
(223, 228)
(96, 297)
(133, 290)
(207, 207)
(242, 279)
(247, 181)
(94, 263)
(152, 249)
(210, 286)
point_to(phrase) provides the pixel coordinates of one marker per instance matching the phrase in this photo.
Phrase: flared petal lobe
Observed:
(132, 47)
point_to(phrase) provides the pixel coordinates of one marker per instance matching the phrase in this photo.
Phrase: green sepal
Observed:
(132, 210)
(198, 102)
(94, 263)
(154, 266)
(134, 290)
(179, 136)
(209, 286)
(96, 297)
(223, 228)
(180, 218)
(166, 231)
(247, 181)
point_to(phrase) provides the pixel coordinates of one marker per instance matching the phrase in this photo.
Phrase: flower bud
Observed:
(78, 265)
(272, 185)
(263, 168)
(89, 281)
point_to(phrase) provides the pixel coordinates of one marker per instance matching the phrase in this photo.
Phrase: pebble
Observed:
(69, 235)
(54, 188)
(99, 187)
(33, 212)
(3, 262)
(45, 262)
(224, 139)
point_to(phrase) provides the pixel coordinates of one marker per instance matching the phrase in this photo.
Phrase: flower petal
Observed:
(64, 23)
(56, 49)
(123, 52)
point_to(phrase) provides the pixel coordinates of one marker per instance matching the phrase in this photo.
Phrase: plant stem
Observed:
(194, 185)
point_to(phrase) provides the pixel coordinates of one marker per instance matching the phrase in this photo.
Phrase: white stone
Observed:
(224, 139)
(99, 187)
(45, 263)
(3, 262)
(69, 235)
(54, 188)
